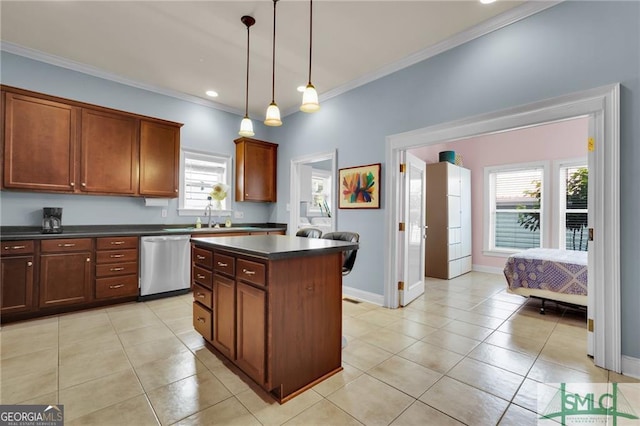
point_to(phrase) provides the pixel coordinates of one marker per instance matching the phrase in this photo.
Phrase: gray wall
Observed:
(205, 129)
(570, 47)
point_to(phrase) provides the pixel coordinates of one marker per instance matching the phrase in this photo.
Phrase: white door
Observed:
(415, 231)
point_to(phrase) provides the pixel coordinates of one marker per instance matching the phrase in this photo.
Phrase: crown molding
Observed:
(500, 21)
(504, 19)
(96, 72)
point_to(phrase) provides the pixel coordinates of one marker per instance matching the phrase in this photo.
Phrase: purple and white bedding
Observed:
(561, 271)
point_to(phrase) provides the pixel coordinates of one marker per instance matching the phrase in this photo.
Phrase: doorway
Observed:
(602, 107)
(313, 194)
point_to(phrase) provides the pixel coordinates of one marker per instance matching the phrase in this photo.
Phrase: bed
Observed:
(548, 274)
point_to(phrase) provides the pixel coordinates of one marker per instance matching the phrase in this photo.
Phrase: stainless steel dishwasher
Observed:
(164, 266)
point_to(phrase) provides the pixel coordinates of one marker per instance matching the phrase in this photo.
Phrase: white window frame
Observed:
(489, 248)
(559, 207)
(207, 156)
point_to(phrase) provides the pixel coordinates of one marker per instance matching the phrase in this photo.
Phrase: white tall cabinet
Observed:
(448, 245)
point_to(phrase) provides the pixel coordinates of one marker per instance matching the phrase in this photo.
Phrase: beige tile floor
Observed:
(464, 353)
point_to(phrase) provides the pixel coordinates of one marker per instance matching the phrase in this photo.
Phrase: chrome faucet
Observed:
(208, 211)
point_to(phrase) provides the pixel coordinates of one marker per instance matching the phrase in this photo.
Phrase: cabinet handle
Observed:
(199, 257)
(67, 245)
(117, 269)
(222, 264)
(88, 259)
(248, 272)
(29, 263)
(72, 184)
(200, 319)
(117, 243)
(175, 190)
(115, 256)
(200, 276)
(116, 286)
(200, 295)
(14, 247)
(83, 184)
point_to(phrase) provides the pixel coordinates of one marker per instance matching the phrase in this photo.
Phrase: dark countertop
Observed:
(275, 246)
(13, 233)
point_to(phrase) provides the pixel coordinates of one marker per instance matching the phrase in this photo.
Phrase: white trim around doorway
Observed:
(602, 105)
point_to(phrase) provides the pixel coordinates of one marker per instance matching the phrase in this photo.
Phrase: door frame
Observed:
(294, 188)
(602, 105)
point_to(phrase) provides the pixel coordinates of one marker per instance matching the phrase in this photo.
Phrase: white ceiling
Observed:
(184, 48)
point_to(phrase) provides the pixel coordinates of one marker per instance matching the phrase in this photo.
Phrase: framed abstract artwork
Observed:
(359, 187)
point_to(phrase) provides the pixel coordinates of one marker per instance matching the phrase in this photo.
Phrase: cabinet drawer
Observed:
(116, 256)
(224, 264)
(202, 257)
(65, 244)
(117, 286)
(108, 270)
(16, 247)
(202, 295)
(116, 243)
(252, 272)
(202, 276)
(202, 320)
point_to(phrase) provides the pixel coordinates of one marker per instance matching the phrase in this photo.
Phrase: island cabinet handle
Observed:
(200, 319)
(117, 269)
(66, 245)
(117, 243)
(200, 295)
(199, 257)
(116, 255)
(116, 286)
(248, 272)
(14, 247)
(222, 264)
(200, 276)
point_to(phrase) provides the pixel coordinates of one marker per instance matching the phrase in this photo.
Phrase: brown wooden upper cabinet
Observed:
(256, 166)
(109, 161)
(58, 145)
(39, 143)
(159, 159)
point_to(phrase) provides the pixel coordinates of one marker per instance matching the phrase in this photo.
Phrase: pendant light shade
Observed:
(246, 126)
(273, 112)
(310, 96)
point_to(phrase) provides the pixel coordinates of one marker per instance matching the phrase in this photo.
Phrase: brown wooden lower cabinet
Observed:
(65, 278)
(278, 320)
(16, 278)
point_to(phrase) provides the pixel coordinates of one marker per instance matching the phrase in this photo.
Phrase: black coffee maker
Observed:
(51, 220)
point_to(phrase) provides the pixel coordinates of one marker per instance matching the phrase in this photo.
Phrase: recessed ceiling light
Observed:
(212, 93)
(301, 88)
(487, 1)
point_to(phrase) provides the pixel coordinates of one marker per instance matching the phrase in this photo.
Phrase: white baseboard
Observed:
(488, 269)
(631, 366)
(365, 296)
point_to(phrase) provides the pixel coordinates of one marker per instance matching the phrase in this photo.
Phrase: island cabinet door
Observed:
(251, 331)
(224, 309)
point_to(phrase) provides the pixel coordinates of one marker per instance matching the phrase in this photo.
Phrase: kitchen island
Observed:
(271, 304)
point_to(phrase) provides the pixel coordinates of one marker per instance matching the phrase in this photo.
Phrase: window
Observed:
(200, 171)
(320, 192)
(574, 184)
(515, 204)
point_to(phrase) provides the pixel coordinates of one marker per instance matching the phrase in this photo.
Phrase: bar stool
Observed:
(309, 233)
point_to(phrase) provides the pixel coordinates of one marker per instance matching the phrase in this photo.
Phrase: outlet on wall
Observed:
(238, 215)
(164, 212)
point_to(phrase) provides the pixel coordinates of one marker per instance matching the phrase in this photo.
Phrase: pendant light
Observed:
(310, 96)
(246, 126)
(273, 112)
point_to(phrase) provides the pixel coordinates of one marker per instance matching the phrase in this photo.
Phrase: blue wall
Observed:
(570, 47)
